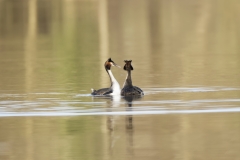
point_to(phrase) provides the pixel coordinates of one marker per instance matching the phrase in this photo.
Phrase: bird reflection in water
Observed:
(114, 104)
(129, 118)
(129, 123)
(113, 121)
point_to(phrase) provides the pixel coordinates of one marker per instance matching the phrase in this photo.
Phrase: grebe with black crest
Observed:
(128, 89)
(114, 89)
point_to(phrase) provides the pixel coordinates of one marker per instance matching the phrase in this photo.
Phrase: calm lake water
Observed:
(186, 59)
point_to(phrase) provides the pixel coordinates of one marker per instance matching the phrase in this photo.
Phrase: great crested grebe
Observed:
(128, 88)
(114, 89)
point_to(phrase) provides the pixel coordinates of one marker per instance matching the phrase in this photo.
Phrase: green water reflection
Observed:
(89, 137)
(65, 43)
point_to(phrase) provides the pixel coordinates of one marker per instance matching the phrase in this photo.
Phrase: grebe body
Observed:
(114, 89)
(128, 88)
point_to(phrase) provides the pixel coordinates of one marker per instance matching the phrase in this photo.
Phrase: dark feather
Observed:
(102, 91)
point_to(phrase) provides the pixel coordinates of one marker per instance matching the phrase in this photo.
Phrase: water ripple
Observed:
(64, 104)
(22, 114)
(188, 89)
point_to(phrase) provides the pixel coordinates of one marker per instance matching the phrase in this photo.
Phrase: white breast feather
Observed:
(115, 85)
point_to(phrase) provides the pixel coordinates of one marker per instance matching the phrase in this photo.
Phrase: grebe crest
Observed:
(128, 65)
(114, 89)
(128, 88)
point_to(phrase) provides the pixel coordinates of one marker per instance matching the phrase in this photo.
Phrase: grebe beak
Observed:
(114, 64)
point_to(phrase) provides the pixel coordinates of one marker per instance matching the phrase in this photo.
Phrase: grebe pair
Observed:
(128, 88)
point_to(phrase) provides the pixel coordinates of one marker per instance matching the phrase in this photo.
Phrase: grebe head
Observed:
(128, 65)
(110, 63)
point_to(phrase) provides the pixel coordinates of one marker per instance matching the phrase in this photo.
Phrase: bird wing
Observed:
(103, 91)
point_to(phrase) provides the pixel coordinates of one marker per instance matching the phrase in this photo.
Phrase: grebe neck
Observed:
(114, 84)
(112, 78)
(128, 81)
